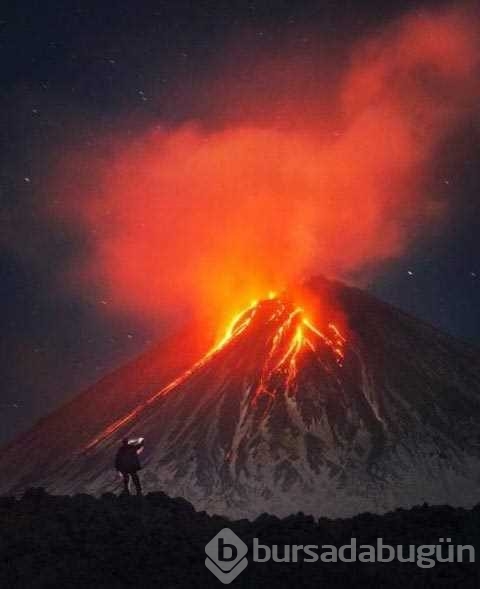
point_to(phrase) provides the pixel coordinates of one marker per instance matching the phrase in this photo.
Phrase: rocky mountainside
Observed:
(363, 408)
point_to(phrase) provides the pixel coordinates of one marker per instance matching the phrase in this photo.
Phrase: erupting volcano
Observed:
(357, 407)
(285, 335)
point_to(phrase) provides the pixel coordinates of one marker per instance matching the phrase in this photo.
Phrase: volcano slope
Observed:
(362, 409)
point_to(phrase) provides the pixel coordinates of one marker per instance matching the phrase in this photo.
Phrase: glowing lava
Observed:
(277, 334)
(294, 335)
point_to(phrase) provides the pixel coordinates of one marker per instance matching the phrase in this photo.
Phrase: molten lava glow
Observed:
(294, 336)
(240, 322)
(296, 161)
(286, 334)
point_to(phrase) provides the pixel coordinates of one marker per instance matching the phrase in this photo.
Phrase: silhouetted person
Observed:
(127, 463)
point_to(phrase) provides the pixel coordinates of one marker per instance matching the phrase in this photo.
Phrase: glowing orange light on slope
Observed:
(336, 344)
(291, 347)
(239, 323)
(281, 359)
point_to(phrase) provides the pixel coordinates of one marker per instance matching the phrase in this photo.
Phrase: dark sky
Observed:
(72, 71)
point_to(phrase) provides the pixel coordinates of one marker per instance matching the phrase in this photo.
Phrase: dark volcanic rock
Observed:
(156, 541)
(356, 407)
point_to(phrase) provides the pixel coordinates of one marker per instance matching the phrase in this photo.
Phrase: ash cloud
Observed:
(305, 162)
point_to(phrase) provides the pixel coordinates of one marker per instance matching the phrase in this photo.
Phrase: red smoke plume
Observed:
(304, 168)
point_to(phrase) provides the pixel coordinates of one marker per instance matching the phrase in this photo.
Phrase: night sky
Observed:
(74, 72)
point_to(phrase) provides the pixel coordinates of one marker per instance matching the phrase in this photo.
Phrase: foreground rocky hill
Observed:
(157, 541)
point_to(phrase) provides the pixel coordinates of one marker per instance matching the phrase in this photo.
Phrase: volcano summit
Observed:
(285, 414)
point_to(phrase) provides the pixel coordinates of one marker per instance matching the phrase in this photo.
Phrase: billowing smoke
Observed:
(302, 165)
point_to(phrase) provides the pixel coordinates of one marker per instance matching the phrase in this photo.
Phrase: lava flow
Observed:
(278, 334)
(292, 335)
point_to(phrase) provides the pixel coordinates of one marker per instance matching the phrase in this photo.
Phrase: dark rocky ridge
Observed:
(156, 541)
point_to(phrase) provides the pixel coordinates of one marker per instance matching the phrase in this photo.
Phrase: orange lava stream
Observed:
(294, 335)
(239, 323)
(285, 370)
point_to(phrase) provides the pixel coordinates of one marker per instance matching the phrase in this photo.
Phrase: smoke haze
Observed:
(302, 165)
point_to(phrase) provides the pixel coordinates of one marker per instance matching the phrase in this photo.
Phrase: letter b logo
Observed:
(226, 556)
(226, 552)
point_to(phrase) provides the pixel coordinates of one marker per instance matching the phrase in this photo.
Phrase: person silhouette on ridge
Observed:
(128, 464)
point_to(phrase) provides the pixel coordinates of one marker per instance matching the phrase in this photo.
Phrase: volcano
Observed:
(363, 409)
